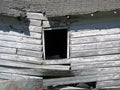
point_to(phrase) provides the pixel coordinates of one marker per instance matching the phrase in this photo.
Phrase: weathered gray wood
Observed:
(30, 53)
(33, 66)
(109, 83)
(83, 33)
(19, 39)
(17, 77)
(84, 59)
(95, 71)
(38, 16)
(98, 45)
(95, 52)
(19, 34)
(20, 45)
(86, 65)
(35, 22)
(20, 58)
(23, 64)
(79, 79)
(35, 29)
(35, 72)
(93, 39)
(7, 50)
(57, 61)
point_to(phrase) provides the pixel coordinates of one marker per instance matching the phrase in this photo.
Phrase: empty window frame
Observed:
(55, 44)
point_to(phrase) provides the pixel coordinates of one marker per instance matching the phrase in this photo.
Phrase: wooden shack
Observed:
(59, 42)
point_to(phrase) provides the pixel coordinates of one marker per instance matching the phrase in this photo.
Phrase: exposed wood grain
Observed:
(20, 34)
(109, 83)
(16, 76)
(84, 33)
(79, 79)
(98, 45)
(95, 71)
(20, 58)
(38, 16)
(30, 53)
(86, 65)
(36, 66)
(95, 52)
(93, 39)
(35, 72)
(7, 50)
(104, 58)
(19, 39)
(35, 22)
(20, 45)
(35, 29)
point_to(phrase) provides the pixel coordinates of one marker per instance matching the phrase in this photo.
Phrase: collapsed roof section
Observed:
(56, 7)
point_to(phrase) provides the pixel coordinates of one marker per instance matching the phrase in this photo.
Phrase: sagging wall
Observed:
(95, 43)
(94, 49)
(20, 47)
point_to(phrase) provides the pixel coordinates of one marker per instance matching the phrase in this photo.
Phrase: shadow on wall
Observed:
(99, 23)
(14, 24)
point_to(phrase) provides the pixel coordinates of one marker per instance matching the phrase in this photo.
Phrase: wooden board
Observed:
(98, 45)
(95, 52)
(7, 50)
(21, 45)
(79, 79)
(20, 34)
(38, 54)
(20, 58)
(93, 39)
(95, 71)
(88, 65)
(20, 39)
(86, 33)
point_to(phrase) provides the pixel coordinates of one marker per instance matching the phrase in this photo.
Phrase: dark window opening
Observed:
(55, 44)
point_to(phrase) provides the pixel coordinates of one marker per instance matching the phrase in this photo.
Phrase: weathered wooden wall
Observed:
(96, 42)
(20, 47)
(94, 50)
